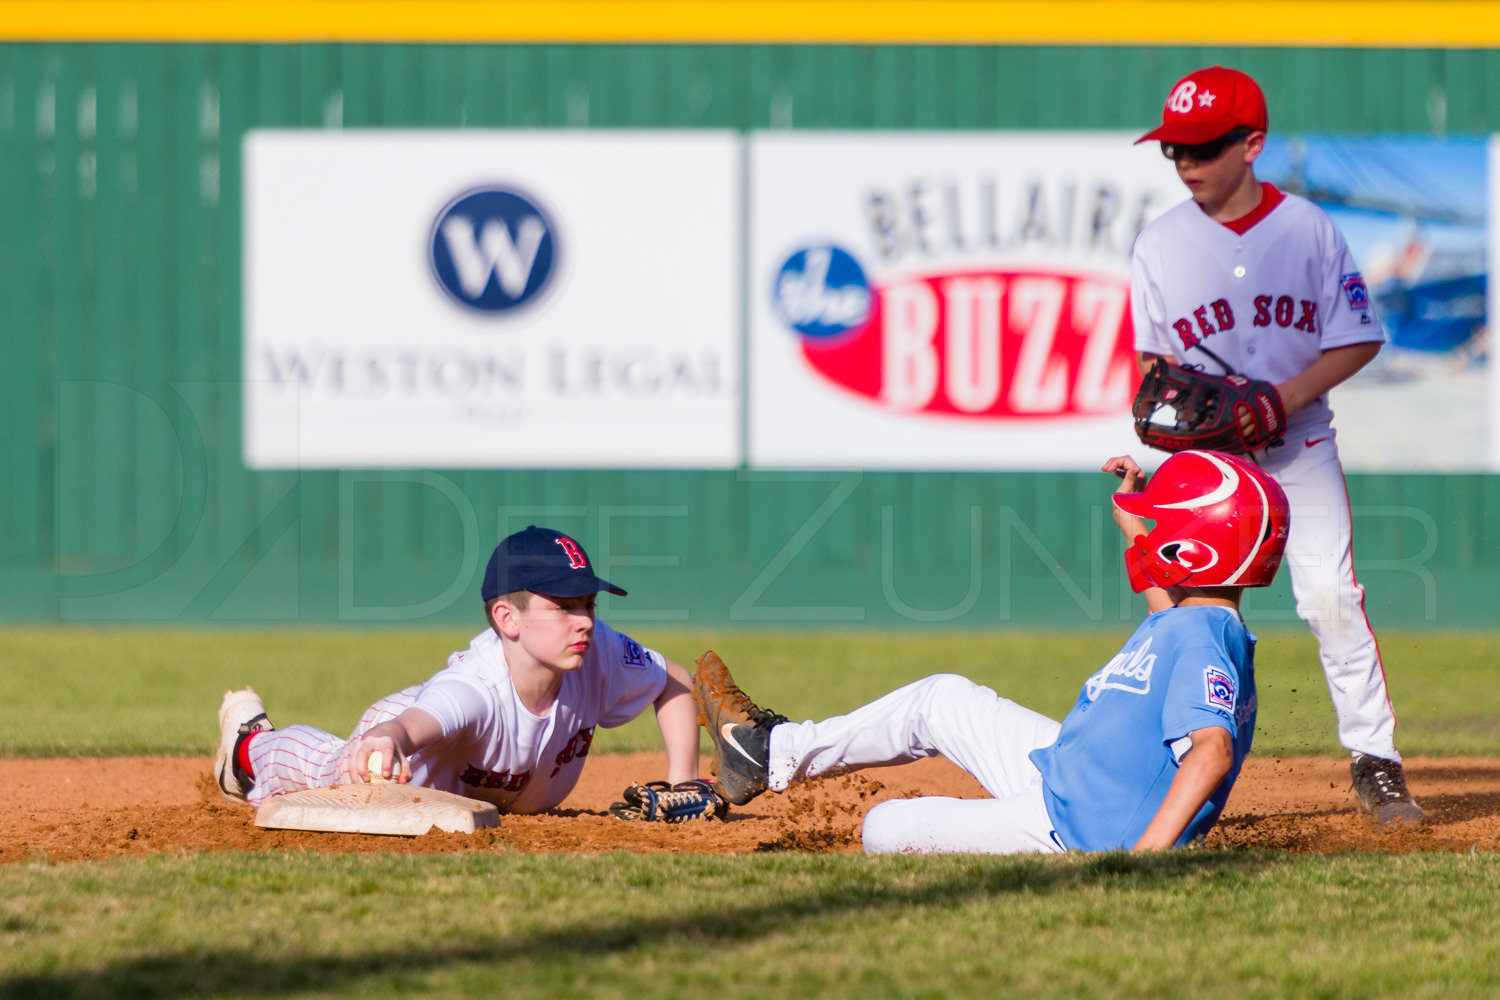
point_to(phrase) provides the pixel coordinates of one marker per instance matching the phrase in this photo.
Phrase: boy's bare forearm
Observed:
(1133, 480)
(1335, 367)
(1201, 772)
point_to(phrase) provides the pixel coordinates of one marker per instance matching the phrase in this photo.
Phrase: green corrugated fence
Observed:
(126, 498)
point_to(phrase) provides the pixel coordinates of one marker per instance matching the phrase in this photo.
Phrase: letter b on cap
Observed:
(575, 554)
(1180, 100)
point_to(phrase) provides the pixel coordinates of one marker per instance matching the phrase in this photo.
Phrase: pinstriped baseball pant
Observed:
(299, 757)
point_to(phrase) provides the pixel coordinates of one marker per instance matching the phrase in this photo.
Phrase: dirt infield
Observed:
(78, 810)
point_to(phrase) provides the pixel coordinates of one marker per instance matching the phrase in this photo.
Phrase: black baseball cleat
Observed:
(740, 730)
(1380, 786)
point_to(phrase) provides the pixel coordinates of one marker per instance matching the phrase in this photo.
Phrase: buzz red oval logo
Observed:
(981, 344)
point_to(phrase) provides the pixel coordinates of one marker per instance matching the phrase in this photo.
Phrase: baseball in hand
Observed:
(373, 766)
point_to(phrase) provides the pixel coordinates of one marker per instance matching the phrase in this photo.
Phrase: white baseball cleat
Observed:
(241, 714)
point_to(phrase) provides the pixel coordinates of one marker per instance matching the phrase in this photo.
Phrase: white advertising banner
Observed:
(491, 298)
(945, 300)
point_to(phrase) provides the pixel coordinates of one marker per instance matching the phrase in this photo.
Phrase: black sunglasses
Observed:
(1204, 152)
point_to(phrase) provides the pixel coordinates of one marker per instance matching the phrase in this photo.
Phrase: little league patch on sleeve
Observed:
(634, 654)
(1355, 291)
(1219, 688)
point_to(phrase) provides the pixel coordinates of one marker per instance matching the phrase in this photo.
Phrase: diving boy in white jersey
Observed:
(1149, 753)
(511, 718)
(1247, 277)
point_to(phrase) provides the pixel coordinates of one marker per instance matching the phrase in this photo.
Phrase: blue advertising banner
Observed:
(1415, 213)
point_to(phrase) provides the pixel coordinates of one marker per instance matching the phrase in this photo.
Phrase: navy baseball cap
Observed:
(544, 562)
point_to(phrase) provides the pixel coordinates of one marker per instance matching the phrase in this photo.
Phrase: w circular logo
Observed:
(493, 250)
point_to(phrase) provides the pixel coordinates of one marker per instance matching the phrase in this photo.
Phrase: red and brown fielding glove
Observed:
(1179, 408)
(661, 802)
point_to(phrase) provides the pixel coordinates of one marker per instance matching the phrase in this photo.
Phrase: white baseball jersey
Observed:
(1268, 302)
(492, 748)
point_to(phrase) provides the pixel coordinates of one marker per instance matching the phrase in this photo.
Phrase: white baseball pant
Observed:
(1320, 556)
(986, 735)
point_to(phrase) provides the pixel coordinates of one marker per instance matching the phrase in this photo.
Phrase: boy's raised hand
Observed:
(1133, 480)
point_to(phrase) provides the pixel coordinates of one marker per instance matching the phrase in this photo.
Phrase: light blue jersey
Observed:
(1108, 772)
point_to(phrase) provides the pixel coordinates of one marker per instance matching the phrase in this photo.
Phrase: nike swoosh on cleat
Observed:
(727, 731)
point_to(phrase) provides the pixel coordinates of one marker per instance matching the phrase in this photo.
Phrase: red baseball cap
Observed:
(1209, 103)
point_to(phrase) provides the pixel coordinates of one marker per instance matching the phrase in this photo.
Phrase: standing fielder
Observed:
(511, 718)
(1149, 753)
(1246, 277)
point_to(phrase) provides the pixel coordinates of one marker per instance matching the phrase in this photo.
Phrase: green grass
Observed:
(1192, 923)
(119, 691)
(1187, 924)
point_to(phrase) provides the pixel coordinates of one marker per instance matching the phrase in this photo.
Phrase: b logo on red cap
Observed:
(575, 554)
(1181, 98)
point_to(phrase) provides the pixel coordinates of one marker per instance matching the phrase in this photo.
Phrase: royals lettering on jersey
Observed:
(1130, 671)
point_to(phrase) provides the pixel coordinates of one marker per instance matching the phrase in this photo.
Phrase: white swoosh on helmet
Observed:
(1223, 491)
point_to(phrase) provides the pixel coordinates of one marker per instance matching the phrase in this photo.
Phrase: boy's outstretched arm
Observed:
(1198, 775)
(1133, 480)
(677, 718)
(396, 740)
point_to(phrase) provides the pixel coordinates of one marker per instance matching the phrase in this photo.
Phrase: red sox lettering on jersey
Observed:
(498, 780)
(1218, 317)
(578, 746)
(477, 777)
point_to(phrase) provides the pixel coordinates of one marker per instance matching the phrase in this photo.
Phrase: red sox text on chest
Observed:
(476, 777)
(1218, 317)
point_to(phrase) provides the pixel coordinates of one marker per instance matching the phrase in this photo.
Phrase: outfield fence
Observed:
(127, 498)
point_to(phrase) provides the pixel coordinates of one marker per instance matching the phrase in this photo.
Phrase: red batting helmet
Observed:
(1220, 522)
